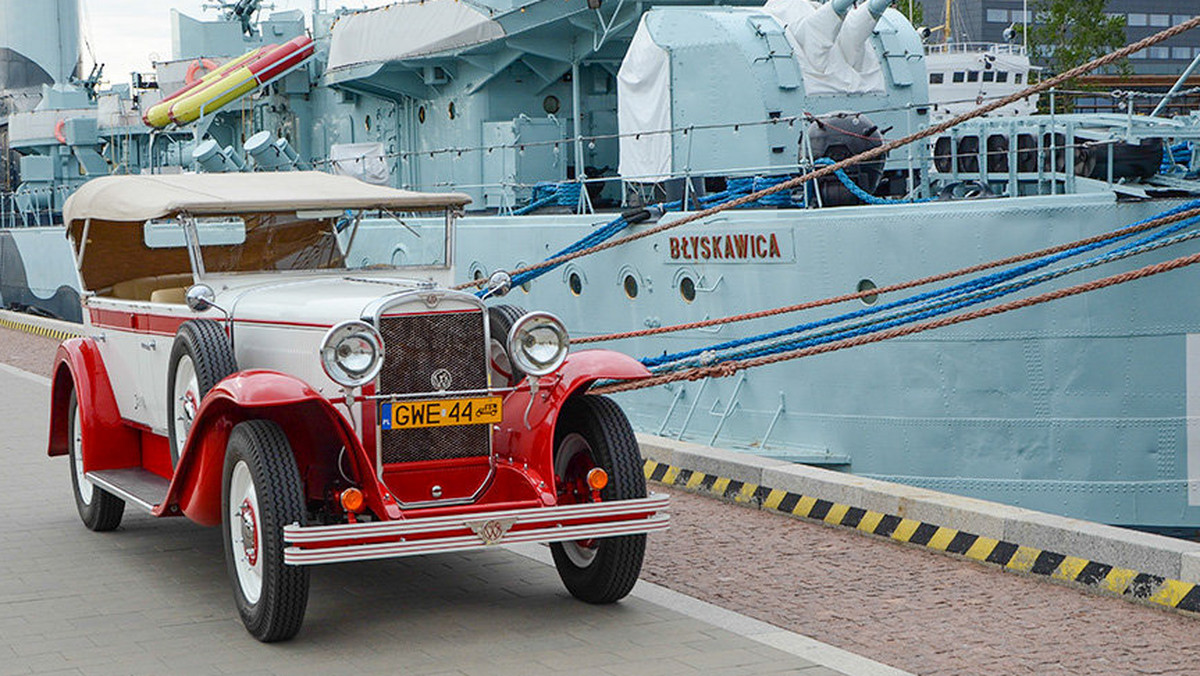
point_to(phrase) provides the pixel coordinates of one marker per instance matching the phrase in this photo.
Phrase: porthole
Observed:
(421, 114)
(576, 283)
(450, 109)
(868, 285)
(551, 104)
(687, 289)
(631, 286)
(527, 285)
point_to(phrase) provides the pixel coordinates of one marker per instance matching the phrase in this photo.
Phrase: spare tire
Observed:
(501, 319)
(201, 357)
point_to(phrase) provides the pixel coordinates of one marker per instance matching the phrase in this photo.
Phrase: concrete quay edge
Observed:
(57, 329)
(1161, 570)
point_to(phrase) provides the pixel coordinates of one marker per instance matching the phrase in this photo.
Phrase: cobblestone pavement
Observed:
(27, 352)
(153, 597)
(907, 607)
(917, 610)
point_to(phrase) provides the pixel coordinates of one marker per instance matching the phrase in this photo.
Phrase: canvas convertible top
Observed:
(142, 198)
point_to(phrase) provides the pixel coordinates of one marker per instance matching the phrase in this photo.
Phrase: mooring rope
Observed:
(878, 151)
(937, 305)
(808, 305)
(731, 367)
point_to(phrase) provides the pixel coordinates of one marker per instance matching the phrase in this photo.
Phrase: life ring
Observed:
(58, 132)
(195, 66)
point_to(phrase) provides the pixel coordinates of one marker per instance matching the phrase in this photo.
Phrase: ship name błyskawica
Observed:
(759, 247)
(571, 124)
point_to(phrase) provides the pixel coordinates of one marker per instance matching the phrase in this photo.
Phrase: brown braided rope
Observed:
(729, 368)
(1133, 229)
(873, 153)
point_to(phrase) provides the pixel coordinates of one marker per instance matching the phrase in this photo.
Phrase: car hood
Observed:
(319, 302)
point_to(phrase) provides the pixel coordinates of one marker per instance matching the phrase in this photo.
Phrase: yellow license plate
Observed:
(402, 415)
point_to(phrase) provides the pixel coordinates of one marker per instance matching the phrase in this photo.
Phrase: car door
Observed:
(125, 348)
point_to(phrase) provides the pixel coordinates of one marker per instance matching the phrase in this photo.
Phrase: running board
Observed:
(136, 486)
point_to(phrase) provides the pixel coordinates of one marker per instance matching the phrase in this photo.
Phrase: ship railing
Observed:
(976, 47)
(33, 207)
(1057, 147)
(675, 132)
(1049, 177)
(1131, 102)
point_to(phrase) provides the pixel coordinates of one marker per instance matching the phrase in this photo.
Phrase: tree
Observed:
(1067, 33)
(914, 10)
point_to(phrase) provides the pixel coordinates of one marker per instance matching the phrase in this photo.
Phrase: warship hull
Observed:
(1077, 407)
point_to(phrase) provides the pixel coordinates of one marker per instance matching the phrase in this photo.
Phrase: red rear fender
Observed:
(316, 431)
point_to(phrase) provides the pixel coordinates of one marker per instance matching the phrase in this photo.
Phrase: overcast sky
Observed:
(124, 35)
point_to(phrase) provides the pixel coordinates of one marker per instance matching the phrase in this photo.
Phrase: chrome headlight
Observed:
(538, 344)
(352, 353)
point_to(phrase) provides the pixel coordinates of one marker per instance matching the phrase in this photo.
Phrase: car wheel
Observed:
(594, 432)
(501, 319)
(99, 509)
(260, 494)
(201, 357)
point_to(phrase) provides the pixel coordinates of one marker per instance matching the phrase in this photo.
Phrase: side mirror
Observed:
(201, 297)
(498, 284)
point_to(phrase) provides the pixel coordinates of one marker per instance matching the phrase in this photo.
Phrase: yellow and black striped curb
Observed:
(1123, 582)
(39, 330)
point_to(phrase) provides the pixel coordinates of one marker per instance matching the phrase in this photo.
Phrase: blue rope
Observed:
(568, 194)
(738, 187)
(863, 195)
(1178, 156)
(957, 290)
(938, 309)
(597, 236)
(546, 193)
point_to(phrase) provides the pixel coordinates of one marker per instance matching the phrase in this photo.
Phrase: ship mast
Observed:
(946, 27)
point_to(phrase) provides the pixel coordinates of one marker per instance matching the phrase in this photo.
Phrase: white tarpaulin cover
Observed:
(141, 198)
(834, 53)
(363, 161)
(644, 105)
(408, 30)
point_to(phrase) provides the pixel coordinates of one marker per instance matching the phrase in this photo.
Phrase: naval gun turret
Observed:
(51, 119)
(737, 86)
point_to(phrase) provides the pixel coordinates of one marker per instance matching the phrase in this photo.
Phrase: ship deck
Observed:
(766, 569)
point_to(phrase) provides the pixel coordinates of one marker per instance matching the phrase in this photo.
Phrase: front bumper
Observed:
(312, 545)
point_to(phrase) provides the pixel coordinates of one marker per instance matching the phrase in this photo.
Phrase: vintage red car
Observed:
(239, 371)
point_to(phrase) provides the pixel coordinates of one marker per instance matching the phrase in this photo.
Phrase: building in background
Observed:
(986, 20)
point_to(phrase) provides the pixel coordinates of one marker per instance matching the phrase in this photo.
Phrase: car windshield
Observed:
(287, 241)
(296, 241)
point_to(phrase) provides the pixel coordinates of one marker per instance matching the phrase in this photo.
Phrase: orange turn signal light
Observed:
(597, 479)
(353, 500)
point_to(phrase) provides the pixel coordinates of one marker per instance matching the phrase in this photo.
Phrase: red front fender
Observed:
(108, 442)
(315, 429)
(534, 442)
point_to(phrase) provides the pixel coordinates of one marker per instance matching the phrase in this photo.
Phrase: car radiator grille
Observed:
(416, 347)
